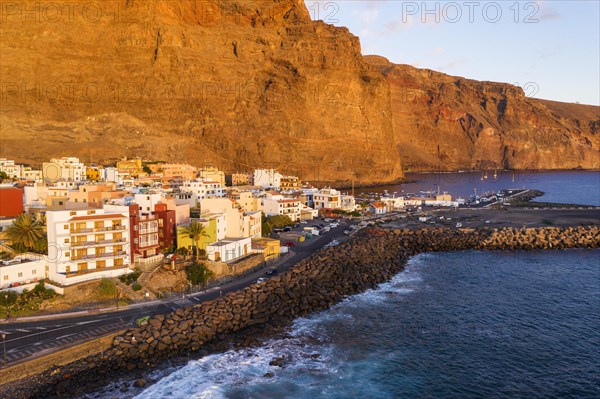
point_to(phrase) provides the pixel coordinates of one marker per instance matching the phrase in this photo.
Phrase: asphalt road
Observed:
(29, 339)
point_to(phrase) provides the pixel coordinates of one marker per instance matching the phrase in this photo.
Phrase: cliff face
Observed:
(447, 123)
(236, 84)
(243, 84)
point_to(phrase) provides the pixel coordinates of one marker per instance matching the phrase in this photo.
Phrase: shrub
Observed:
(107, 287)
(136, 286)
(130, 278)
(198, 273)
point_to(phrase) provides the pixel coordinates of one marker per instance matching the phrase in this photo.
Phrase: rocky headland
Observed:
(314, 284)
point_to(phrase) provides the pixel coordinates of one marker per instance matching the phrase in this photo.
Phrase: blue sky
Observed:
(550, 48)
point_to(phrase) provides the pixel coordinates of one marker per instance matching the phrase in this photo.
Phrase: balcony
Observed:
(113, 254)
(92, 244)
(97, 230)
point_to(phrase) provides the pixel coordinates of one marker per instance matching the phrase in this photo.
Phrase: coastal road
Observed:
(29, 339)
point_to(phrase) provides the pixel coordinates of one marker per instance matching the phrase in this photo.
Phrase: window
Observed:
(34, 271)
(90, 212)
(67, 254)
(6, 276)
(20, 274)
(66, 240)
(73, 213)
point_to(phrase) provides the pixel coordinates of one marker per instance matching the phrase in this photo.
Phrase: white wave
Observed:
(212, 376)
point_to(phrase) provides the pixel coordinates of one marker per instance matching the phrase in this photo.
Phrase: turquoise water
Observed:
(453, 325)
(570, 187)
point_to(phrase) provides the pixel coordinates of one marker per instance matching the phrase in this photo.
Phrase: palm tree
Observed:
(196, 231)
(25, 231)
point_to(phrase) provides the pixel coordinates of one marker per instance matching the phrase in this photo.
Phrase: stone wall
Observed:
(313, 284)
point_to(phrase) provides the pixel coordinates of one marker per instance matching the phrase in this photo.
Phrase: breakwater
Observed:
(312, 285)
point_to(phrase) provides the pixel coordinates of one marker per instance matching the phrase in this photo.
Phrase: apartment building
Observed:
(267, 178)
(171, 170)
(237, 179)
(211, 174)
(330, 198)
(65, 168)
(290, 183)
(203, 189)
(130, 167)
(87, 244)
(14, 171)
(278, 205)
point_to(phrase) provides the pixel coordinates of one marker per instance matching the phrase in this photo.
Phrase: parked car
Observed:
(303, 222)
(290, 244)
(261, 280)
(334, 225)
(286, 229)
(271, 272)
(346, 232)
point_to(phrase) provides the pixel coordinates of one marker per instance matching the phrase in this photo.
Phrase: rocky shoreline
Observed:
(314, 284)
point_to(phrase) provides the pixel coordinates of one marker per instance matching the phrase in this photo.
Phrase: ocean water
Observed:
(570, 187)
(452, 325)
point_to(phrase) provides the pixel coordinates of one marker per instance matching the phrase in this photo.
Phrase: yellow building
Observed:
(132, 167)
(92, 174)
(211, 174)
(269, 247)
(171, 170)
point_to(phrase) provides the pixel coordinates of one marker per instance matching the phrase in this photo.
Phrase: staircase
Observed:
(125, 291)
(147, 273)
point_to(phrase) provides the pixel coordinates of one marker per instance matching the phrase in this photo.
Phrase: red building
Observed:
(11, 202)
(167, 226)
(144, 233)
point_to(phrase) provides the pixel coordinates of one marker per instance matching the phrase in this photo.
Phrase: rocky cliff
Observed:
(242, 84)
(445, 122)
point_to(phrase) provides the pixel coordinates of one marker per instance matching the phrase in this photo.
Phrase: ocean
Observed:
(452, 325)
(567, 187)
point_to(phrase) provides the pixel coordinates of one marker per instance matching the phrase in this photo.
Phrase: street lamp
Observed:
(4, 345)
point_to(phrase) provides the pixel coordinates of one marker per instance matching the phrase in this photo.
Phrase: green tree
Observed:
(279, 221)
(3, 176)
(147, 169)
(198, 273)
(195, 231)
(266, 227)
(25, 230)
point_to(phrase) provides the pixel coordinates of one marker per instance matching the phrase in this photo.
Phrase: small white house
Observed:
(229, 249)
(22, 270)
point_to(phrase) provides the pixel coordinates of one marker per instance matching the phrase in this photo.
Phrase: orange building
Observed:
(11, 201)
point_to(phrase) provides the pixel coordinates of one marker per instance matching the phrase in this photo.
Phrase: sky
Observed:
(549, 48)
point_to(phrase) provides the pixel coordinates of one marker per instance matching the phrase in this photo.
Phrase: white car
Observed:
(261, 280)
(334, 225)
(303, 222)
(347, 232)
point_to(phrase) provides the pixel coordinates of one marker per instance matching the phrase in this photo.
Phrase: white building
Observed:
(330, 198)
(14, 171)
(393, 202)
(30, 174)
(239, 223)
(278, 205)
(65, 168)
(111, 174)
(87, 244)
(267, 178)
(24, 269)
(203, 189)
(35, 196)
(229, 249)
